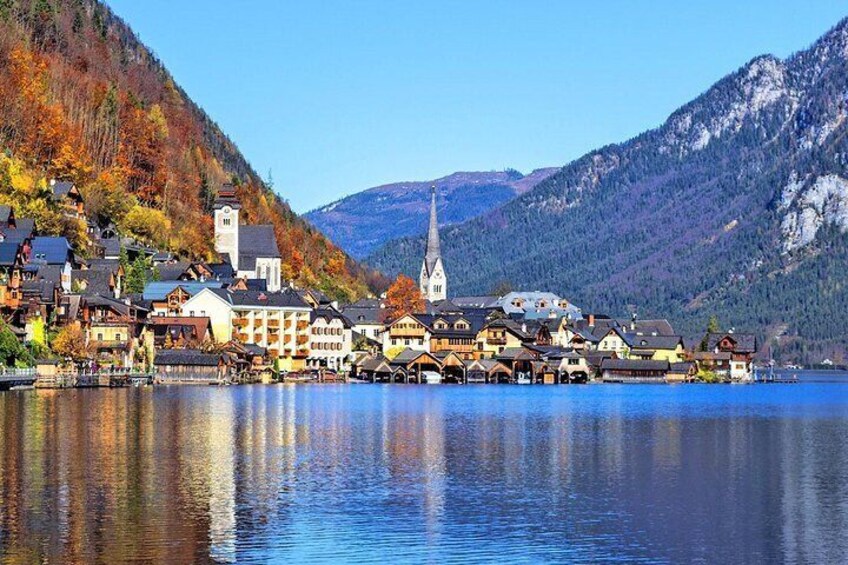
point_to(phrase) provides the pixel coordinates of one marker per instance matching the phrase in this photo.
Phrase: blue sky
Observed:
(336, 97)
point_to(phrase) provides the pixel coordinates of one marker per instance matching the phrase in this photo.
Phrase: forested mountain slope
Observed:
(82, 99)
(737, 205)
(362, 222)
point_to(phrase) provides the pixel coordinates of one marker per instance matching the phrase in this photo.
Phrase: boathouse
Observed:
(190, 366)
(634, 371)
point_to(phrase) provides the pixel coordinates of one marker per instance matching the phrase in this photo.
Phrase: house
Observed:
(455, 333)
(277, 321)
(657, 347)
(53, 251)
(612, 339)
(68, 197)
(111, 328)
(252, 250)
(331, 340)
(407, 332)
(368, 317)
(498, 335)
(168, 297)
(729, 354)
(190, 366)
(11, 263)
(100, 282)
(634, 371)
(179, 332)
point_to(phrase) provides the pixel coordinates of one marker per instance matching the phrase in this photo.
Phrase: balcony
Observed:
(241, 322)
(302, 339)
(273, 324)
(302, 325)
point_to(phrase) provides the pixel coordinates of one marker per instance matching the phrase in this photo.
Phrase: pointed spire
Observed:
(433, 247)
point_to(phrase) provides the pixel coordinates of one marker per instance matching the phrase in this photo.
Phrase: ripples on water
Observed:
(445, 474)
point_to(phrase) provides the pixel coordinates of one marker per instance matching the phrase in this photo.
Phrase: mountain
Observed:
(82, 99)
(736, 206)
(364, 221)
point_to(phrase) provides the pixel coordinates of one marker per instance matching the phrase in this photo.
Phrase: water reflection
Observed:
(434, 474)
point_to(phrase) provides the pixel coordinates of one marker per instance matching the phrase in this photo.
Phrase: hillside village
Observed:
(133, 309)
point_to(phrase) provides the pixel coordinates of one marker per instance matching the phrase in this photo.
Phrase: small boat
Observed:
(431, 377)
(523, 379)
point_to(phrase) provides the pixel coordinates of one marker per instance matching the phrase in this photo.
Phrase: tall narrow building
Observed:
(433, 281)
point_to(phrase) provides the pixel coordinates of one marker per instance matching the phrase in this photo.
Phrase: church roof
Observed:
(256, 242)
(434, 252)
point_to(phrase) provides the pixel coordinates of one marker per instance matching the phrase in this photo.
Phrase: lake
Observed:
(433, 474)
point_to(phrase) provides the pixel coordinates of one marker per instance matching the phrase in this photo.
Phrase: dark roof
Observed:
(50, 250)
(682, 367)
(221, 270)
(93, 281)
(105, 265)
(359, 315)
(172, 271)
(191, 357)
(256, 242)
(8, 253)
(284, 299)
(745, 343)
(634, 365)
(658, 327)
(62, 188)
(44, 289)
(654, 341)
(49, 273)
(409, 355)
(330, 314)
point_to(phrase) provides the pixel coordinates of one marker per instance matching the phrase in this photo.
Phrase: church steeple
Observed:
(433, 280)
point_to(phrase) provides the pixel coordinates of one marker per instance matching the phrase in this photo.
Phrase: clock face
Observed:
(437, 275)
(227, 209)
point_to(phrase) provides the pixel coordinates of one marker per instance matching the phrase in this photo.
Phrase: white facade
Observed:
(227, 233)
(434, 286)
(268, 269)
(330, 344)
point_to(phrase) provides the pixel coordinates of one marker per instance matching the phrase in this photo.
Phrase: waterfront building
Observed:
(634, 371)
(331, 340)
(433, 280)
(657, 347)
(277, 321)
(729, 354)
(190, 366)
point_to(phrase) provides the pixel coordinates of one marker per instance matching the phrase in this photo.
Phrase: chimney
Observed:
(591, 320)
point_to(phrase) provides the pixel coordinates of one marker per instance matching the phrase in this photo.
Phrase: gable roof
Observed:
(61, 189)
(654, 341)
(50, 250)
(256, 242)
(8, 253)
(190, 357)
(159, 290)
(745, 343)
(634, 365)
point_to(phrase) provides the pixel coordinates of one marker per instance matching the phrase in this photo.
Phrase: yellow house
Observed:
(657, 347)
(498, 335)
(614, 340)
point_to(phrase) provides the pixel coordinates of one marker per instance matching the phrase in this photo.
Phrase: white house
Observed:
(331, 340)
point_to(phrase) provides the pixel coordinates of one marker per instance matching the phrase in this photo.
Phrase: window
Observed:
(226, 221)
(117, 337)
(99, 337)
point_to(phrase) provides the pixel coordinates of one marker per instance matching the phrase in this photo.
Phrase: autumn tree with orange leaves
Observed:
(403, 297)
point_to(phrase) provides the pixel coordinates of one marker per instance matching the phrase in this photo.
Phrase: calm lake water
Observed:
(438, 474)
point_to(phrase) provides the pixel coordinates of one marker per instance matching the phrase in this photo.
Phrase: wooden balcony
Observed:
(275, 324)
(241, 322)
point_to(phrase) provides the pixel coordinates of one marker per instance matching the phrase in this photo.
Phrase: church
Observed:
(433, 281)
(252, 250)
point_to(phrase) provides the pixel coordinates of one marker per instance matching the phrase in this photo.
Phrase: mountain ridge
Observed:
(360, 222)
(685, 219)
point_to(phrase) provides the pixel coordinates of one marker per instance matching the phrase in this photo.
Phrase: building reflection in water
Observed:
(393, 473)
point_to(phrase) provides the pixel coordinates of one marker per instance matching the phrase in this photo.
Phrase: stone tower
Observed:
(226, 209)
(433, 281)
